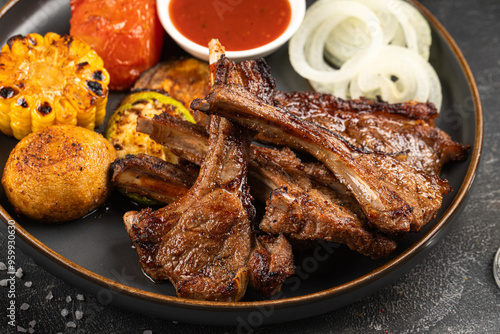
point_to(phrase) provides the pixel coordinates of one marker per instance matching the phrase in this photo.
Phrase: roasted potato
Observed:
(121, 129)
(59, 173)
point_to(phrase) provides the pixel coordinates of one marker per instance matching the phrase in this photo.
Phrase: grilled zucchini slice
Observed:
(121, 129)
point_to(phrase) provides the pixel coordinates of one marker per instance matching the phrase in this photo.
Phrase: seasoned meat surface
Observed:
(202, 242)
(152, 177)
(271, 263)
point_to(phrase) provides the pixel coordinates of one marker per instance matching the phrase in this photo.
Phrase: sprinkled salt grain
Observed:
(3, 266)
(32, 323)
(3, 282)
(28, 284)
(68, 299)
(19, 273)
(64, 312)
(25, 306)
(147, 332)
(78, 315)
(49, 296)
(21, 329)
(70, 324)
(80, 297)
(31, 330)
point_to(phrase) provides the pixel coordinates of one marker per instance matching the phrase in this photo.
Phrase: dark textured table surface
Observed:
(451, 291)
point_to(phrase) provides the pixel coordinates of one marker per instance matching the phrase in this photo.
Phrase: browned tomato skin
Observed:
(127, 34)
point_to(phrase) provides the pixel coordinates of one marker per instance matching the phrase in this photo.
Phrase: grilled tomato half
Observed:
(127, 34)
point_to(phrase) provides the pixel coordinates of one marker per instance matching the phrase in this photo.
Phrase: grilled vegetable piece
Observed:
(127, 34)
(59, 174)
(121, 130)
(183, 79)
(50, 79)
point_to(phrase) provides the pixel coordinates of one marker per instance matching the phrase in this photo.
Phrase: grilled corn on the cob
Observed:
(50, 79)
(121, 128)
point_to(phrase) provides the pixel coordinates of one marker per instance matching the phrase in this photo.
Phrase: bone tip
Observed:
(215, 50)
(129, 219)
(200, 104)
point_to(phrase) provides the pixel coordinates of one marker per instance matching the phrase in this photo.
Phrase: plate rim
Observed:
(345, 288)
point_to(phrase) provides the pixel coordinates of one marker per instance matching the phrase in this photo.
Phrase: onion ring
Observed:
(370, 48)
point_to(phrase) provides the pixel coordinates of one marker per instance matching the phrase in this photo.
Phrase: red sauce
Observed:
(238, 24)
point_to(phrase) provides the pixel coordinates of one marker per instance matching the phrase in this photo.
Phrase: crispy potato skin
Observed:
(59, 174)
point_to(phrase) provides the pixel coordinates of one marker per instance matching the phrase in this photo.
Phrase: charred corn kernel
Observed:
(42, 116)
(20, 116)
(50, 79)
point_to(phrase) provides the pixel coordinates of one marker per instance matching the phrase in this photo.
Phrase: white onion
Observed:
(366, 44)
(336, 11)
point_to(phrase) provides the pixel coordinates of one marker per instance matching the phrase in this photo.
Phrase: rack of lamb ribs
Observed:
(376, 177)
(395, 197)
(204, 242)
(297, 205)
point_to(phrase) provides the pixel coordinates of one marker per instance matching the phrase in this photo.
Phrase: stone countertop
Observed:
(451, 290)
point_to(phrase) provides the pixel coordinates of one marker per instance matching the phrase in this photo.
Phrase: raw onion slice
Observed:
(370, 48)
(310, 30)
(397, 74)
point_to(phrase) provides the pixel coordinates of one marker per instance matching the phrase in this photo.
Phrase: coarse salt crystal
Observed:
(64, 312)
(21, 329)
(25, 306)
(19, 273)
(49, 296)
(70, 324)
(80, 297)
(3, 282)
(28, 284)
(78, 315)
(32, 323)
(147, 332)
(68, 299)
(3, 266)
(31, 330)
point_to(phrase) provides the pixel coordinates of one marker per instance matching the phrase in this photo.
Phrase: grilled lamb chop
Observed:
(152, 177)
(395, 197)
(202, 241)
(305, 210)
(312, 210)
(406, 128)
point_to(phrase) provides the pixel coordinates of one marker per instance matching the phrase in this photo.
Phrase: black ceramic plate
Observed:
(95, 254)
